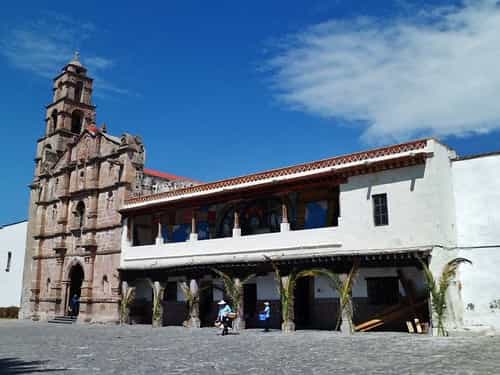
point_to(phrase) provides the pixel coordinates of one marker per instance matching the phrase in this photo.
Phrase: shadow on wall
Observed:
(17, 366)
(409, 175)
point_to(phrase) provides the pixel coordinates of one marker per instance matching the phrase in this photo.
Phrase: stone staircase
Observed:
(63, 320)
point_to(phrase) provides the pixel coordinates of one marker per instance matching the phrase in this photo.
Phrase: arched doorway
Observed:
(76, 279)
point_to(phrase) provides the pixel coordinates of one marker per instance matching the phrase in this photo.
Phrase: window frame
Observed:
(380, 210)
(9, 261)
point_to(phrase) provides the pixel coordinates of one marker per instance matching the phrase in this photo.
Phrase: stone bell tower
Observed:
(68, 114)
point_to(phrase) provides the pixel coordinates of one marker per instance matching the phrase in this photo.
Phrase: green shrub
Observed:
(10, 312)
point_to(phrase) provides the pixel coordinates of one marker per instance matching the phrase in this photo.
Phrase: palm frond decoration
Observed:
(345, 296)
(125, 303)
(342, 287)
(439, 288)
(286, 288)
(157, 297)
(233, 289)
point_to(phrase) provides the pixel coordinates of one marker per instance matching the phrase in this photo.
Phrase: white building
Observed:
(476, 182)
(384, 210)
(12, 249)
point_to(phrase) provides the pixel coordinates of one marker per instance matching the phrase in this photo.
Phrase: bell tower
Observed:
(70, 111)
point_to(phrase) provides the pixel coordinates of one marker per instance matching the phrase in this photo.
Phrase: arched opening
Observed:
(78, 92)
(261, 216)
(76, 122)
(53, 121)
(80, 214)
(75, 289)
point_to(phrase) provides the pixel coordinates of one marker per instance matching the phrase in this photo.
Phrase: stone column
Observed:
(285, 225)
(158, 291)
(159, 237)
(194, 305)
(239, 322)
(287, 312)
(193, 236)
(236, 227)
(86, 299)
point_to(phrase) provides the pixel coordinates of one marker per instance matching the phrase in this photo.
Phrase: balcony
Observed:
(251, 248)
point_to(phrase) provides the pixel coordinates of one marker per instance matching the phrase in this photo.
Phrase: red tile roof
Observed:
(305, 167)
(168, 176)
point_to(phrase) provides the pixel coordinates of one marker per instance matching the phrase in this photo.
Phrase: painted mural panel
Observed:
(316, 214)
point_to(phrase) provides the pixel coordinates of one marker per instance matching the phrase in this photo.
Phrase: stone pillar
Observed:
(158, 291)
(288, 324)
(193, 236)
(236, 227)
(159, 237)
(58, 288)
(285, 225)
(194, 305)
(239, 322)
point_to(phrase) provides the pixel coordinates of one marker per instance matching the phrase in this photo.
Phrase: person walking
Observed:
(75, 305)
(223, 316)
(267, 316)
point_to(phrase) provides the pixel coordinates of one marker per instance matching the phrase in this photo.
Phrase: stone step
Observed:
(63, 320)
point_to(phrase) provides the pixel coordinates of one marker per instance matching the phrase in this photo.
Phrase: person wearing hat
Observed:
(267, 316)
(223, 316)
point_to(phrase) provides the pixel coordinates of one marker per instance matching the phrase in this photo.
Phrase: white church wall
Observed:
(476, 184)
(13, 240)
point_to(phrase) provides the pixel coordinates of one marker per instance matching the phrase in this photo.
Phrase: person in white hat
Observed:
(222, 317)
(266, 315)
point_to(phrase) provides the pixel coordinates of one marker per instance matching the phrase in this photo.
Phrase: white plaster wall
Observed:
(420, 205)
(477, 194)
(13, 239)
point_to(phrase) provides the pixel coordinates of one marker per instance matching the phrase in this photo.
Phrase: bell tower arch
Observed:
(71, 108)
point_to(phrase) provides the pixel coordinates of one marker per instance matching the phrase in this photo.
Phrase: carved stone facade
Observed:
(82, 176)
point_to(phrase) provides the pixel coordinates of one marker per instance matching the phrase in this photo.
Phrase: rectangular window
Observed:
(383, 290)
(9, 259)
(380, 212)
(171, 291)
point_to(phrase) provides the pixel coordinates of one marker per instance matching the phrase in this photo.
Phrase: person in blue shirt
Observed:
(75, 305)
(267, 316)
(223, 316)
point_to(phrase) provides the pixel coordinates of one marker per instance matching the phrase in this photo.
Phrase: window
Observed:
(78, 92)
(53, 125)
(76, 122)
(80, 213)
(380, 213)
(9, 259)
(171, 291)
(383, 290)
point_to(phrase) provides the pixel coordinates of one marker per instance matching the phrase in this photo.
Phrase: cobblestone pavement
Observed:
(27, 347)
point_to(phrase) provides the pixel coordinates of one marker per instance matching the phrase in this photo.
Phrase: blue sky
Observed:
(226, 88)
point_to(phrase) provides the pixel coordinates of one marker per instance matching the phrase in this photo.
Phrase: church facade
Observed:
(82, 176)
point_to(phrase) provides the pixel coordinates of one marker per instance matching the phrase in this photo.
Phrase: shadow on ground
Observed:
(16, 366)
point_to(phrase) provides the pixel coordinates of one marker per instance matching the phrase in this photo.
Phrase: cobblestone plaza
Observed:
(27, 347)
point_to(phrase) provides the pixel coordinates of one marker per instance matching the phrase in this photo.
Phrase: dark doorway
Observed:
(75, 288)
(250, 305)
(303, 302)
(207, 317)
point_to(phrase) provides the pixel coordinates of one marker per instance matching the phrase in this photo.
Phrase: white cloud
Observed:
(46, 45)
(436, 73)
